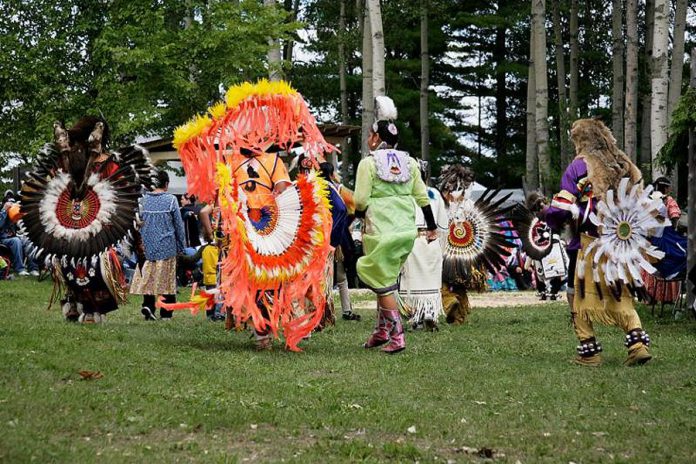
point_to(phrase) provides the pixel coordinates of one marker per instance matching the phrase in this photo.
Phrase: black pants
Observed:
(149, 301)
(556, 283)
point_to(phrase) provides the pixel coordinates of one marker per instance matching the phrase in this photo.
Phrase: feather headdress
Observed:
(385, 109)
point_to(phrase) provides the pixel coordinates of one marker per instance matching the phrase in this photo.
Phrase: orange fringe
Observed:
(255, 122)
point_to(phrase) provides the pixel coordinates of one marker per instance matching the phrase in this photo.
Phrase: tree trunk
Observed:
(645, 98)
(293, 7)
(561, 81)
(659, 83)
(574, 58)
(273, 56)
(342, 62)
(542, 94)
(501, 108)
(375, 19)
(531, 181)
(676, 74)
(368, 114)
(617, 100)
(677, 68)
(424, 85)
(691, 202)
(345, 153)
(631, 111)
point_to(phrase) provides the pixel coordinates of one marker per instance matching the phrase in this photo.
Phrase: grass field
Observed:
(187, 391)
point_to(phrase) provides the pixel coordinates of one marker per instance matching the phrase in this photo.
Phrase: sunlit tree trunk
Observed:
(631, 109)
(617, 103)
(561, 81)
(542, 94)
(659, 83)
(273, 56)
(424, 84)
(367, 95)
(378, 76)
(676, 72)
(532, 166)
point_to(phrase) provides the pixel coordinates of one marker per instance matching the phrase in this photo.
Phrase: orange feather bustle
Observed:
(254, 118)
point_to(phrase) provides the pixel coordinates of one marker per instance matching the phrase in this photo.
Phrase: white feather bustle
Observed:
(385, 109)
(49, 203)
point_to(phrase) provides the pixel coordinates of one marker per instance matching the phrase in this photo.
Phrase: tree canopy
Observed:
(146, 65)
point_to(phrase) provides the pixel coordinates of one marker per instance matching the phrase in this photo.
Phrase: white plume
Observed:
(385, 110)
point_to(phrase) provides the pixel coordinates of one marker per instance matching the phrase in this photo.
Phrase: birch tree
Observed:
(677, 67)
(659, 83)
(532, 165)
(676, 71)
(424, 84)
(377, 33)
(631, 108)
(274, 56)
(617, 101)
(542, 93)
(561, 81)
(367, 85)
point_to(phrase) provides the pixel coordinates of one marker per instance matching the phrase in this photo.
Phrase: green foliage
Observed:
(676, 150)
(147, 66)
(187, 391)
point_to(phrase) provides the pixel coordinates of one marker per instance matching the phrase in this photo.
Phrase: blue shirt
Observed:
(162, 229)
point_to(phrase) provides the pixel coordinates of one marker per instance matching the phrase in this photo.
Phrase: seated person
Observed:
(9, 214)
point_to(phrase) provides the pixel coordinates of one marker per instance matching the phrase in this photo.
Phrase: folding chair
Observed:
(679, 301)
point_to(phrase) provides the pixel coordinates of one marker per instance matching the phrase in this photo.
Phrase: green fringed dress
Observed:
(386, 185)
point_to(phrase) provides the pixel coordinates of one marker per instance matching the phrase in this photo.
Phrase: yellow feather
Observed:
(218, 110)
(191, 129)
(239, 93)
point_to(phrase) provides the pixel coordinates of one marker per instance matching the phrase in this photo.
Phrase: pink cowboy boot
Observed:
(380, 335)
(396, 332)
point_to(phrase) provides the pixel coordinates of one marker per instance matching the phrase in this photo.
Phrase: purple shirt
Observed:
(574, 201)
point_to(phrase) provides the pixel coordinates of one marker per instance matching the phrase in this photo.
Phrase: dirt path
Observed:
(477, 300)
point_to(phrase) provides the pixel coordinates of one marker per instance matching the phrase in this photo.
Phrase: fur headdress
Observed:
(606, 163)
(455, 177)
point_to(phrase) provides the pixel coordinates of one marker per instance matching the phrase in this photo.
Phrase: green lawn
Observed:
(187, 391)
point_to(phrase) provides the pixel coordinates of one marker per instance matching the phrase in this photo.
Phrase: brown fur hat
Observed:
(455, 177)
(536, 201)
(606, 163)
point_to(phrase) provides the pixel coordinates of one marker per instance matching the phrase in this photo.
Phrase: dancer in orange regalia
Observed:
(278, 230)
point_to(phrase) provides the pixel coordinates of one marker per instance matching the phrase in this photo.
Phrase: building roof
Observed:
(333, 133)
